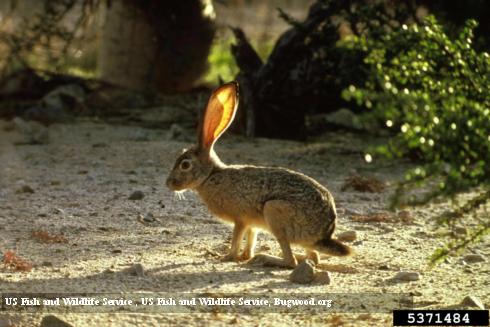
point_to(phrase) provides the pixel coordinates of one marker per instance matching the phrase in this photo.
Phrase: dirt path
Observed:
(82, 179)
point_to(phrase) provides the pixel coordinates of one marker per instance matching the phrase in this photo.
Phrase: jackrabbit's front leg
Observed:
(248, 252)
(238, 232)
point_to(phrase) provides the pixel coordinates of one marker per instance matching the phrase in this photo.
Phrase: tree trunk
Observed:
(157, 45)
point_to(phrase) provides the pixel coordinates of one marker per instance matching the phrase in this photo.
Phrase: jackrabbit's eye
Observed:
(185, 164)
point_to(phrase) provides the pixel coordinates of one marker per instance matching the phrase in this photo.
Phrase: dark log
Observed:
(275, 96)
(306, 72)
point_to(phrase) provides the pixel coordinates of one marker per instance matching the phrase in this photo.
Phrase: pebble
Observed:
(34, 132)
(407, 276)
(304, 273)
(474, 258)
(323, 277)
(472, 301)
(348, 236)
(53, 321)
(59, 211)
(137, 195)
(148, 218)
(25, 189)
(136, 270)
(384, 267)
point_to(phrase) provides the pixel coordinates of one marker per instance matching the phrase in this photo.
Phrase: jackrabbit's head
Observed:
(194, 165)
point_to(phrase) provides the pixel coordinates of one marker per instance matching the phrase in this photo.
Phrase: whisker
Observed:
(180, 194)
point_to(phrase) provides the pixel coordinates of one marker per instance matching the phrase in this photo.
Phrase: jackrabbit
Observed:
(295, 208)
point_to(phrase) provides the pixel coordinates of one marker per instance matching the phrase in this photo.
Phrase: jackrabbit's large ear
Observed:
(219, 114)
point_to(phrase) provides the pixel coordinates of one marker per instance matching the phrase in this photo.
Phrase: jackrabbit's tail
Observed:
(333, 247)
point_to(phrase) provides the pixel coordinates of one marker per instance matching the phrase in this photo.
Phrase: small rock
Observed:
(117, 251)
(474, 258)
(137, 195)
(407, 276)
(136, 270)
(348, 236)
(384, 267)
(53, 321)
(34, 132)
(57, 105)
(323, 277)
(148, 218)
(47, 264)
(304, 273)
(59, 211)
(472, 301)
(25, 189)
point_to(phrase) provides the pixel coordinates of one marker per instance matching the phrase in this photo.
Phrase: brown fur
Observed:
(293, 207)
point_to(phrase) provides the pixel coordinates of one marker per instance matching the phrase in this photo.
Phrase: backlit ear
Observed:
(219, 114)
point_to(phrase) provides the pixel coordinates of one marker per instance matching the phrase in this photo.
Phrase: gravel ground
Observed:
(79, 184)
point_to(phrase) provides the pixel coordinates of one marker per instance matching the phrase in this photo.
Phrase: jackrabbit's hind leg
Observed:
(276, 216)
(287, 261)
(310, 255)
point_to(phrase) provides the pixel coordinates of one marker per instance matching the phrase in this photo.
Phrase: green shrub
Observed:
(222, 63)
(433, 91)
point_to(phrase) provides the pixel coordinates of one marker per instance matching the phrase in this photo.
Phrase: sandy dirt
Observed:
(82, 180)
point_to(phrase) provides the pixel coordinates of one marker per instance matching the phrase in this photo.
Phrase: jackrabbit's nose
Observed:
(170, 182)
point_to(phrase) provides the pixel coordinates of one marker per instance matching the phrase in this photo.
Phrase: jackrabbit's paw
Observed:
(244, 256)
(229, 257)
